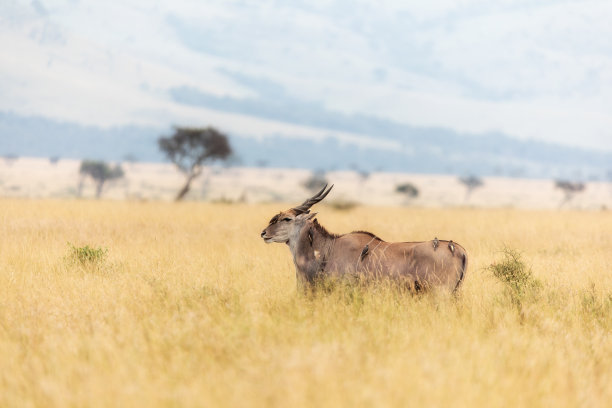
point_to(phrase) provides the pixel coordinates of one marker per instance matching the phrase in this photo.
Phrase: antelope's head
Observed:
(287, 224)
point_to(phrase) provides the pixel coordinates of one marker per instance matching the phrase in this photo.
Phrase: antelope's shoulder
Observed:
(366, 234)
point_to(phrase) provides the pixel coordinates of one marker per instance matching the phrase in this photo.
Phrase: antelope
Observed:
(318, 253)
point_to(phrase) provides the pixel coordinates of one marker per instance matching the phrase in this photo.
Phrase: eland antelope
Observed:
(318, 253)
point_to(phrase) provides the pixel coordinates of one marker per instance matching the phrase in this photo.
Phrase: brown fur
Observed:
(318, 253)
(322, 230)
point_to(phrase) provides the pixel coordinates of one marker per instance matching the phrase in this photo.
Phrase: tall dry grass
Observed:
(188, 307)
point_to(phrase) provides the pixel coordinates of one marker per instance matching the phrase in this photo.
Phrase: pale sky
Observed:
(530, 69)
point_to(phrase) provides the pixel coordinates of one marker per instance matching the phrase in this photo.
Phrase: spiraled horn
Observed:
(305, 206)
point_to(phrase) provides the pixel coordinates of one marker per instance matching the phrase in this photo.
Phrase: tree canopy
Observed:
(190, 148)
(100, 172)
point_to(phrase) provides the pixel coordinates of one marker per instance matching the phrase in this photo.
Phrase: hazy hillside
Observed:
(416, 150)
(405, 87)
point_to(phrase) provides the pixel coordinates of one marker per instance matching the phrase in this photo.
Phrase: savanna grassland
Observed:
(160, 304)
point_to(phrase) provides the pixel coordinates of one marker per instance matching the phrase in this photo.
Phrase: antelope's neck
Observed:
(310, 249)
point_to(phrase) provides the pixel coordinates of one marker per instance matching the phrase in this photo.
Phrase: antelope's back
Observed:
(429, 263)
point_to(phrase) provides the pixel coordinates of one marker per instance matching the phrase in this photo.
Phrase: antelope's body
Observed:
(362, 255)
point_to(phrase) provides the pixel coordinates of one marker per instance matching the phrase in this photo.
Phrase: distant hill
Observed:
(403, 87)
(417, 151)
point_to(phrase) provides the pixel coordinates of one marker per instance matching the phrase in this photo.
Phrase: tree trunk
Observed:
(99, 186)
(80, 186)
(181, 194)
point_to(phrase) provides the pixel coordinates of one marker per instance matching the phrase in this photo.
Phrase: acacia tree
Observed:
(100, 172)
(190, 148)
(316, 181)
(409, 190)
(570, 189)
(471, 183)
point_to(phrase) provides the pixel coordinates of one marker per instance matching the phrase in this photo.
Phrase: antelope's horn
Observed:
(313, 200)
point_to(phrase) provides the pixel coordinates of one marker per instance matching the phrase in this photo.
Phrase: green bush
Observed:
(408, 189)
(516, 276)
(87, 255)
(343, 205)
(597, 306)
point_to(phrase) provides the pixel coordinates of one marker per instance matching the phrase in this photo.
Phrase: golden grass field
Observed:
(191, 308)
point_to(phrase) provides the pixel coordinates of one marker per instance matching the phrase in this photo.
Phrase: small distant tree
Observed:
(570, 189)
(409, 190)
(471, 183)
(363, 174)
(100, 172)
(10, 158)
(190, 148)
(315, 182)
(54, 159)
(130, 159)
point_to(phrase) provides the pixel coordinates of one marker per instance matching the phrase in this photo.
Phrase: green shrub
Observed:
(408, 189)
(87, 255)
(597, 306)
(316, 181)
(516, 276)
(343, 205)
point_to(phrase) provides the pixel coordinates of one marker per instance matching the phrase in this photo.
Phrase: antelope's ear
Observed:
(311, 216)
(305, 216)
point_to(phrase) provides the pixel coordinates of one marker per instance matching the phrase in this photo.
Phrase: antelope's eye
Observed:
(287, 219)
